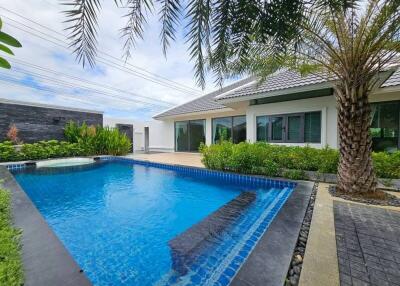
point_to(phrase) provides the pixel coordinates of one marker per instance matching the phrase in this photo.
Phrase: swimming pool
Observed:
(118, 219)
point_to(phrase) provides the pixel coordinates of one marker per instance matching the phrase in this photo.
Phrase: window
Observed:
(239, 129)
(277, 128)
(229, 128)
(189, 135)
(312, 127)
(296, 128)
(385, 126)
(262, 128)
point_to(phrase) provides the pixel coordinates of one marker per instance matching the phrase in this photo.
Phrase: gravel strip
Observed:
(390, 199)
(293, 275)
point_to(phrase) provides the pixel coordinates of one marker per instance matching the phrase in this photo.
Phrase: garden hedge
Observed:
(83, 140)
(291, 162)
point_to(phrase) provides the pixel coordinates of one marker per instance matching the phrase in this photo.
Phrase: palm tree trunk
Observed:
(355, 171)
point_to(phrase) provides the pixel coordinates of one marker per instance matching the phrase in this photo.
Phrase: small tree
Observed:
(12, 134)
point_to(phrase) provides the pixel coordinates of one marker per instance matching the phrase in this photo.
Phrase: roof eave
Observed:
(197, 113)
(277, 92)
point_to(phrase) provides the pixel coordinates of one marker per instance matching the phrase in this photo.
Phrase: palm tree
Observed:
(351, 46)
(343, 41)
(5, 41)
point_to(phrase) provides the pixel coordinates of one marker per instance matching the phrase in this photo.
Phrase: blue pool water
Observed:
(117, 217)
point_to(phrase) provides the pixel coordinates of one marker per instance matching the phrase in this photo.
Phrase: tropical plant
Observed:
(350, 46)
(97, 140)
(5, 41)
(209, 25)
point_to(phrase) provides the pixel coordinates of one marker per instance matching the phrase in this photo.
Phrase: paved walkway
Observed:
(368, 244)
(320, 265)
(188, 159)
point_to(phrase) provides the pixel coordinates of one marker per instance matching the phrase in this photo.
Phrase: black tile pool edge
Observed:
(46, 261)
(268, 263)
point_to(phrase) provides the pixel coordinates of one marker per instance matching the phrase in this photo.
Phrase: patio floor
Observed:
(188, 159)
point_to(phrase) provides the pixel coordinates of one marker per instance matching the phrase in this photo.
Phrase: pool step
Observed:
(185, 246)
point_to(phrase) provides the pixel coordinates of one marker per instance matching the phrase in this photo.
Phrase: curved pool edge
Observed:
(45, 260)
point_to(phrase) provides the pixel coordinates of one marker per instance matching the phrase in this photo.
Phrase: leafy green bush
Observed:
(8, 152)
(294, 174)
(84, 141)
(387, 165)
(11, 270)
(50, 149)
(267, 159)
(97, 140)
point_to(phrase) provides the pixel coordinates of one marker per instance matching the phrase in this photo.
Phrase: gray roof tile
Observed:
(393, 80)
(203, 103)
(279, 81)
(282, 80)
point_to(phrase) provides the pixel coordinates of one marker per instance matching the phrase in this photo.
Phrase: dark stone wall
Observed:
(41, 123)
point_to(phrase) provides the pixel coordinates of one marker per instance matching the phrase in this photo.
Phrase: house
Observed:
(286, 109)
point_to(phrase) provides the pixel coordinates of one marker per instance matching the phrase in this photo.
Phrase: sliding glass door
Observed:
(189, 135)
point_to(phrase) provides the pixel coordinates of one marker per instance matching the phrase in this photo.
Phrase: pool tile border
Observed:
(269, 261)
(45, 259)
(252, 180)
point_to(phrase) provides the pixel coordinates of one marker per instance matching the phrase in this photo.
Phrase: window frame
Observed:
(285, 128)
(231, 126)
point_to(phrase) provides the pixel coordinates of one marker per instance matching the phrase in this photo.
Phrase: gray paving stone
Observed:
(368, 244)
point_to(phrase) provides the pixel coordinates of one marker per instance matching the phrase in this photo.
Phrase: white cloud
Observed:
(40, 52)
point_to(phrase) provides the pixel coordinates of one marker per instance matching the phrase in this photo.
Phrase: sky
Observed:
(45, 70)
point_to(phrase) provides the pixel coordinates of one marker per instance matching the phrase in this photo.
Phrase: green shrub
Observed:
(294, 174)
(270, 168)
(50, 149)
(387, 165)
(97, 140)
(11, 270)
(267, 159)
(8, 152)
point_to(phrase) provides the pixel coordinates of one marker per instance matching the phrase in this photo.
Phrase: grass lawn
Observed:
(11, 271)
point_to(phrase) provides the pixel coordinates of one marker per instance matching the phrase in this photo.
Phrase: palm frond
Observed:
(222, 17)
(82, 20)
(198, 36)
(169, 17)
(134, 27)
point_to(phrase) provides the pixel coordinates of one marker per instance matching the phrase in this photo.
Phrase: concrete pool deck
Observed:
(186, 159)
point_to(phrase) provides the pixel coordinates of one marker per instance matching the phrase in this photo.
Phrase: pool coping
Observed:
(267, 264)
(269, 261)
(45, 259)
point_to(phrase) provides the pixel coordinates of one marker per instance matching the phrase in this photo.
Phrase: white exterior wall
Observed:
(326, 105)
(161, 133)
